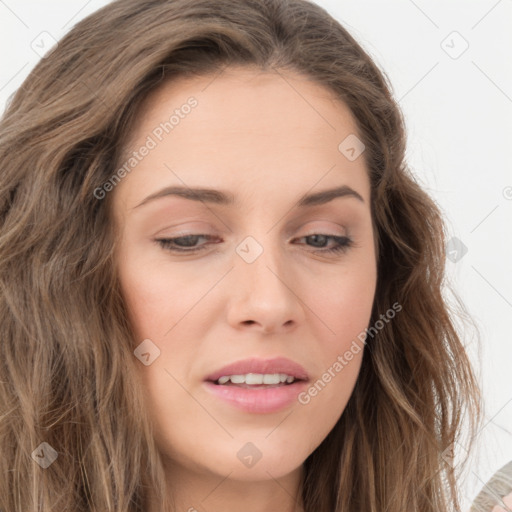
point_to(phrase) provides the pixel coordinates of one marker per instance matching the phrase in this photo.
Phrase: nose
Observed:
(265, 295)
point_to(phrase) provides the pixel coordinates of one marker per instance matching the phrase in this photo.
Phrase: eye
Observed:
(341, 243)
(188, 243)
(180, 243)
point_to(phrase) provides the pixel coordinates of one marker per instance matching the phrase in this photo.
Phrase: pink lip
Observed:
(259, 399)
(276, 365)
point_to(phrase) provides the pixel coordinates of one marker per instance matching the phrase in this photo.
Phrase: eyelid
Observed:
(205, 228)
(337, 230)
(197, 228)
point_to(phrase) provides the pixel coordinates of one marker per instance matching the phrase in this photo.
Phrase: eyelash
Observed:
(343, 244)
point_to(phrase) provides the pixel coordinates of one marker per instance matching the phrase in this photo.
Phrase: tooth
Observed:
(271, 378)
(257, 378)
(254, 378)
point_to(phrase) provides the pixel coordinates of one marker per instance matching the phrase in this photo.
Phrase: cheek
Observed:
(344, 305)
(344, 302)
(157, 296)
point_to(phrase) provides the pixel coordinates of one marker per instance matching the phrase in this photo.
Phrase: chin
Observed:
(261, 471)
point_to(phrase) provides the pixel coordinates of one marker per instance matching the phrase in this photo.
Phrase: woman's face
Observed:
(252, 277)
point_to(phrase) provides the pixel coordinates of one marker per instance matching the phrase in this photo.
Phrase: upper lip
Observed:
(263, 366)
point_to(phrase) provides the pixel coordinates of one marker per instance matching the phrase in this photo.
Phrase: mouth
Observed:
(254, 372)
(257, 385)
(256, 380)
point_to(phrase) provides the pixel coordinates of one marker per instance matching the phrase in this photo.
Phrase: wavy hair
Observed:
(69, 376)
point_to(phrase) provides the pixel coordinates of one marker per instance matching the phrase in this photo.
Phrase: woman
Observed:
(301, 356)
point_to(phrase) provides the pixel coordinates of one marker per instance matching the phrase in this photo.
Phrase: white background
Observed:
(458, 110)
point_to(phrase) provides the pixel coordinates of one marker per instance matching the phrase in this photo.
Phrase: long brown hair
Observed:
(69, 376)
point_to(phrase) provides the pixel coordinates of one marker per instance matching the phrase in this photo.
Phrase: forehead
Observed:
(246, 100)
(274, 101)
(269, 130)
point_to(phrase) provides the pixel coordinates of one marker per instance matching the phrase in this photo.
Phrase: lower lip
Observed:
(258, 400)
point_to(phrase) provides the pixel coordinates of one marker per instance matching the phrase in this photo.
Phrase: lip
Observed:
(258, 400)
(255, 365)
(264, 399)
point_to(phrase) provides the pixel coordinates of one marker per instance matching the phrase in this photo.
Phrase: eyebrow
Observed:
(219, 197)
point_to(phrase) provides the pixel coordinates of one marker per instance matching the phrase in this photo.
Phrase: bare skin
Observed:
(255, 136)
(507, 500)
